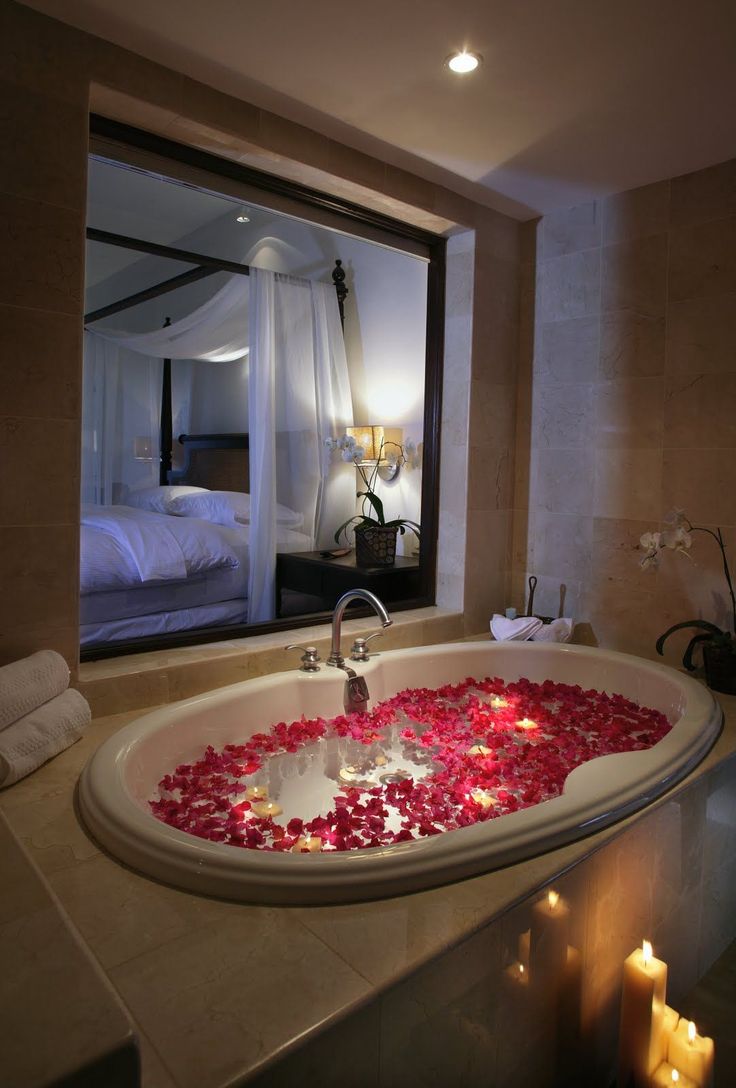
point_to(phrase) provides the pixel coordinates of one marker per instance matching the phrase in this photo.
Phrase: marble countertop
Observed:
(218, 990)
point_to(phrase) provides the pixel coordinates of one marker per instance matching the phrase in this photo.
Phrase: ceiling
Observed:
(575, 99)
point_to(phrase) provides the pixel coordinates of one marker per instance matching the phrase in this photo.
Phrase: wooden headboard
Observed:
(219, 462)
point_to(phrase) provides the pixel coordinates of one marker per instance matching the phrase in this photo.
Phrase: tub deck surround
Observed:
(118, 783)
(135, 681)
(417, 986)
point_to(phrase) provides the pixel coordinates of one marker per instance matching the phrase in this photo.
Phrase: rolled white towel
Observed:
(28, 684)
(38, 736)
(517, 630)
(559, 630)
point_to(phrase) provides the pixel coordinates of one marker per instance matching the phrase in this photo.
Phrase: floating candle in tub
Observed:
(483, 799)
(266, 808)
(642, 1016)
(480, 750)
(692, 1054)
(310, 843)
(256, 793)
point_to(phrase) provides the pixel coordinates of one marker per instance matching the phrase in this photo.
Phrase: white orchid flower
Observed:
(347, 454)
(675, 517)
(331, 444)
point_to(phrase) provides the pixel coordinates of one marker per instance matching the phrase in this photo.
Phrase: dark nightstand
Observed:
(328, 579)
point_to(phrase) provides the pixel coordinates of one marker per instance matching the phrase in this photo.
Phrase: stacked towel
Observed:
(40, 715)
(525, 628)
(27, 684)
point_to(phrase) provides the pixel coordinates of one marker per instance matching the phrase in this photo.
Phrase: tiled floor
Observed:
(712, 1005)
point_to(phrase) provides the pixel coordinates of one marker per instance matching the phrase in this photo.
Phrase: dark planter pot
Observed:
(720, 668)
(375, 545)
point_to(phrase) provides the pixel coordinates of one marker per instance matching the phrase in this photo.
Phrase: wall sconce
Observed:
(374, 441)
(142, 448)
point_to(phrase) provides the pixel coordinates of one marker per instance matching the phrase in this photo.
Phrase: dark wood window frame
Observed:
(353, 215)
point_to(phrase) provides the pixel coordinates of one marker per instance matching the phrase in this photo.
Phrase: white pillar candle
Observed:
(669, 1026)
(642, 1017)
(692, 1054)
(549, 937)
(667, 1076)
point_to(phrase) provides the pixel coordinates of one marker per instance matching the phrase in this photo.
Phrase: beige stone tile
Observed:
(154, 1073)
(59, 1014)
(197, 994)
(568, 351)
(702, 482)
(701, 333)
(40, 479)
(570, 286)
(634, 276)
(562, 481)
(48, 826)
(563, 416)
(151, 84)
(292, 140)
(636, 213)
(221, 111)
(43, 147)
(495, 349)
(24, 639)
(632, 345)
(130, 915)
(439, 1026)
(615, 551)
(694, 586)
(627, 483)
(699, 411)
(703, 195)
(498, 234)
(39, 564)
(41, 251)
(497, 290)
(554, 594)
(455, 412)
(133, 110)
(623, 615)
(409, 188)
(492, 409)
(702, 260)
(347, 1053)
(114, 695)
(44, 56)
(459, 268)
(40, 374)
(629, 413)
(187, 680)
(560, 545)
(23, 892)
(490, 478)
(571, 229)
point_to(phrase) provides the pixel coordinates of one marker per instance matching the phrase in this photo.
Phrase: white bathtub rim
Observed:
(592, 798)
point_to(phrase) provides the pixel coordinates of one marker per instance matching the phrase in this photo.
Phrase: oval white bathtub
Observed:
(122, 776)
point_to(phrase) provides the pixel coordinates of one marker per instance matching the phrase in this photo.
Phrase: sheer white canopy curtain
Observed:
(298, 396)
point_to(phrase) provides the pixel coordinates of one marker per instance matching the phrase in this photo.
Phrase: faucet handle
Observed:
(310, 657)
(358, 651)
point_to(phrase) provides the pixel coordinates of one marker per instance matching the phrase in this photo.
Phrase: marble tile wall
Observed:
(627, 406)
(52, 74)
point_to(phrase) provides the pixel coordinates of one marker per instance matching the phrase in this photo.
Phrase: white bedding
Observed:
(131, 563)
(123, 547)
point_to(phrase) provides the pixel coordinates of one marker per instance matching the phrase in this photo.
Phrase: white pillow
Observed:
(159, 499)
(228, 508)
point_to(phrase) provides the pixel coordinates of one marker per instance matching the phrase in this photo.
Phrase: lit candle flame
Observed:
(497, 702)
(675, 1076)
(646, 952)
(526, 723)
(521, 968)
(553, 899)
(691, 1032)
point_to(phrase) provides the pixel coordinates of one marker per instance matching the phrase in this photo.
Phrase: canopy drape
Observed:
(298, 396)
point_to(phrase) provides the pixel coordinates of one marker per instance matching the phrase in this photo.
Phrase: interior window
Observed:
(254, 393)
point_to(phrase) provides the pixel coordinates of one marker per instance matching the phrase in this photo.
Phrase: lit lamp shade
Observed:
(370, 438)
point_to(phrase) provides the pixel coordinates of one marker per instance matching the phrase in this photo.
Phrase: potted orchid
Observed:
(719, 646)
(375, 538)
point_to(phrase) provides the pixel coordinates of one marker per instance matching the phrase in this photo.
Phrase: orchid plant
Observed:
(349, 450)
(677, 537)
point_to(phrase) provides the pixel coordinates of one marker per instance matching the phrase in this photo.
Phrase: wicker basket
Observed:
(375, 545)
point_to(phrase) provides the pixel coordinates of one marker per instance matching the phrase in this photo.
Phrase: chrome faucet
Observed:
(356, 689)
(336, 657)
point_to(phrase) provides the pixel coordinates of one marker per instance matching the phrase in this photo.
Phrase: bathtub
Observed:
(122, 776)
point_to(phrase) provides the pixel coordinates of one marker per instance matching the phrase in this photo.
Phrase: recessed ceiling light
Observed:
(463, 62)
(243, 218)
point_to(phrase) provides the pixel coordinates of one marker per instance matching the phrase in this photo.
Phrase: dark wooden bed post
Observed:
(167, 429)
(338, 278)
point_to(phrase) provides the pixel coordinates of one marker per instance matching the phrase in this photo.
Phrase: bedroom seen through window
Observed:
(246, 374)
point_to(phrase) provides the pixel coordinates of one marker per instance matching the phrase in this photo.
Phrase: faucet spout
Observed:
(336, 659)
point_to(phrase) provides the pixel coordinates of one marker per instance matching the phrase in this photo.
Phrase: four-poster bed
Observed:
(151, 565)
